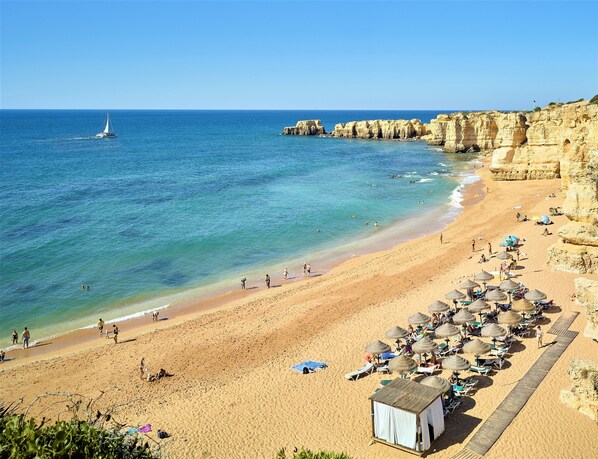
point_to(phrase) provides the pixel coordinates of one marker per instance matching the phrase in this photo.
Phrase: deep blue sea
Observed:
(188, 199)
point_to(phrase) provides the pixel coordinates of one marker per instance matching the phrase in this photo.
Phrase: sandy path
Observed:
(233, 395)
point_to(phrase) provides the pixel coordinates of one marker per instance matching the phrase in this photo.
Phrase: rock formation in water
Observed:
(380, 129)
(583, 395)
(306, 127)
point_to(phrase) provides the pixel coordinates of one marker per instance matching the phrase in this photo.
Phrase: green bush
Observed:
(307, 454)
(575, 101)
(594, 100)
(537, 109)
(24, 439)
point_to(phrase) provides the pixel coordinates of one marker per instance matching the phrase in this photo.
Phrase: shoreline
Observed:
(189, 303)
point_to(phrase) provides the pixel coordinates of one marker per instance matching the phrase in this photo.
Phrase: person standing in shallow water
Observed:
(308, 270)
(101, 326)
(243, 280)
(267, 281)
(285, 273)
(15, 337)
(26, 336)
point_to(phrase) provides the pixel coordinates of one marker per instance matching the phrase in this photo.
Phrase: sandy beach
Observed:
(233, 395)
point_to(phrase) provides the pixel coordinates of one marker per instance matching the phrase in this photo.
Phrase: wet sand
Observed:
(233, 395)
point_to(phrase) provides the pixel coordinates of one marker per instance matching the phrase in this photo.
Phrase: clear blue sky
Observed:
(297, 54)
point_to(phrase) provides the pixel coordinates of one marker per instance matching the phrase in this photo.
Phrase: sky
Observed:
(296, 54)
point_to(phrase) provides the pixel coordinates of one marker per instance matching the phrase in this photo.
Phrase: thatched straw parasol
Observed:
(396, 333)
(478, 305)
(535, 295)
(508, 284)
(509, 318)
(483, 276)
(468, 284)
(377, 347)
(455, 295)
(418, 319)
(523, 305)
(493, 331)
(476, 347)
(456, 363)
(438, 307)
(424, 345)
(504, 256)
(402, 364)
(463, 316)
(437, 383)
(495, 295)
(446, 331)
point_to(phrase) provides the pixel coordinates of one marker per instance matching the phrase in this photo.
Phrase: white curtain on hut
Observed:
(436, 417)
(423, 421)
(395, 426)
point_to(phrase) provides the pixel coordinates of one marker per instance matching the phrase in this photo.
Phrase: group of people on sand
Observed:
(114, 331)
(151, 377)
(285, 275)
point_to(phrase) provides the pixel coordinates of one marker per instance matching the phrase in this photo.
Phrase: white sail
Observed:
(107, 129)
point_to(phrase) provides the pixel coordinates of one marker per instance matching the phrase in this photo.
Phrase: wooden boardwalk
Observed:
(498, 421)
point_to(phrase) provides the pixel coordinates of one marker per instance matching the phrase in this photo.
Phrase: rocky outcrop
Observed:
(380, 129)
(306, 127)
(583, 395)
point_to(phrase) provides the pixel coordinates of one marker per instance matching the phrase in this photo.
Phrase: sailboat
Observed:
(107, 132)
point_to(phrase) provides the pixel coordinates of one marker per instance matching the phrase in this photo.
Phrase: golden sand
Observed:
(233, 396)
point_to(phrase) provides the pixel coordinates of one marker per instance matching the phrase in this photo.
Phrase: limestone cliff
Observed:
(583, 395)
(380, 129)
(306, 127)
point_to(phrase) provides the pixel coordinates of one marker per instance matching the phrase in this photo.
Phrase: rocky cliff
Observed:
(380, 129)
(583, 395)
(306, 127)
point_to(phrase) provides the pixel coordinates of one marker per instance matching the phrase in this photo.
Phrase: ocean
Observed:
(191, 201)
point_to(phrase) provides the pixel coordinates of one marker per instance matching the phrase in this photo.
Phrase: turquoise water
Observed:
(182, 199)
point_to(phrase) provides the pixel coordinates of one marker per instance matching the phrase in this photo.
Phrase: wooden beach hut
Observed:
(407, 415)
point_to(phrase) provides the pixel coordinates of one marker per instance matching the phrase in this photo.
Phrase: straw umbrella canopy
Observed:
(483, 276)
(396, 333)
(469, 285)
(463, 316)
(523, 305)
(496, 295)
(535, 295)
(402, 364)
(455, 295)
(493, 331)
(478, 305)
(418, 319)
(509, 318)
(424, 345)
(504, 256)
(509, 284)
(456, 363)
(446, 331)
(437, 383)
(376, 348)
(438, 307)
(476, 347)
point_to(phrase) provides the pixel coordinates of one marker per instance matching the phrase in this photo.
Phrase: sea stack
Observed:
(305, 127)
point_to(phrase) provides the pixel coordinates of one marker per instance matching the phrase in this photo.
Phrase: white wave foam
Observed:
(433, 173)
(424, 180)
(441, 164)
(130, 316)
(456, 197)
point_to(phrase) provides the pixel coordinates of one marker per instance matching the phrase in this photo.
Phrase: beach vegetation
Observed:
(307, 454)
(594, 100)
(24, 437)
(575, 101)
(537, 109)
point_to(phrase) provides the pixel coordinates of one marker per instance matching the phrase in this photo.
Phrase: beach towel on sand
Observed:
(311, 365)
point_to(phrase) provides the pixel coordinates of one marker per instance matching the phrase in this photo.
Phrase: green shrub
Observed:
(307, 454)
(23, 439)
(550, 104)
(594, 100)
(537, 109)
(575, 101)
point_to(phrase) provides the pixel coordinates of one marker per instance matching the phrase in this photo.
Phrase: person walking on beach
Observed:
(308, 270)
(115, 332)
(142, 368)
(489, 249)
(285, 273)
(267, 281)
(15, 337)
(304, 269)
(539, 335)
(441, 238)
(26, 336)
(243, 280)
(473, 245)
(155, 315)
(101, 326)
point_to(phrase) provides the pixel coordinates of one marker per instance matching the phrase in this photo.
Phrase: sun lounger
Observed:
(383, 369)
(364, 370)
(452, 406)
(480, 370)
(498, 352)
(461, 390)
(428, 370)
(496, 363)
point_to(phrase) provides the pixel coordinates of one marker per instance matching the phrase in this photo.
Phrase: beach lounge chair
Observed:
(461, 390)
(383, 369)
(452, 406)
(428, 370)
(480, 370)
(364, 370)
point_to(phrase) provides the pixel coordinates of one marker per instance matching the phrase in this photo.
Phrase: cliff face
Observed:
(583, 395)
(306, 127)
(380, 129)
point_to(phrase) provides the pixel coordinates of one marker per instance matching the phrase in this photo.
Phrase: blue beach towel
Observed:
(312, 365)
(387, 355)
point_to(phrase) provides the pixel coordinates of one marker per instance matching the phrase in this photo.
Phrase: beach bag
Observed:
(305, 370)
